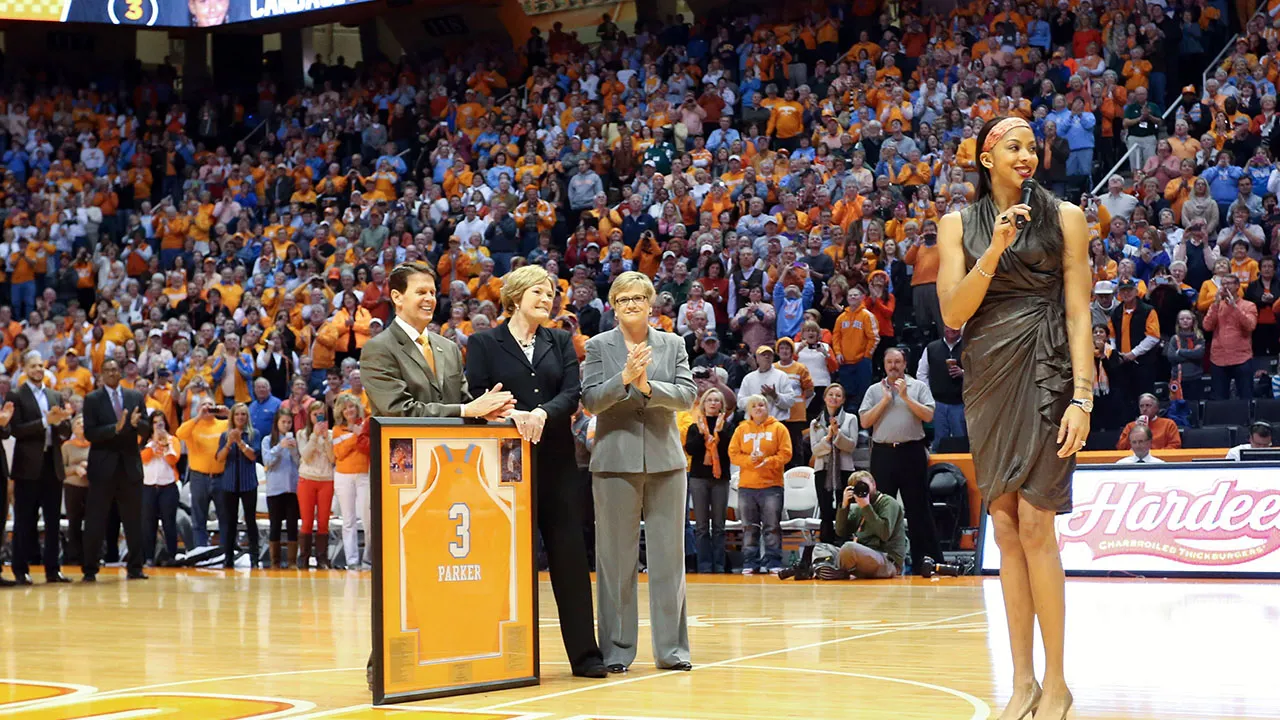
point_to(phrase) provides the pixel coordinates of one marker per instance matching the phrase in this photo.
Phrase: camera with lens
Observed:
(861, 489)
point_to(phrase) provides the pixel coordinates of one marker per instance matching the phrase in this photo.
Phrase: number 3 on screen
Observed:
(134, 11)
(461, 513)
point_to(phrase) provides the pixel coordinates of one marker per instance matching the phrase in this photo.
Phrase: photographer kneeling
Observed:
(875, 522)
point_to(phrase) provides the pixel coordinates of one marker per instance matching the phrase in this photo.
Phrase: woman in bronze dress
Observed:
(1022, 297)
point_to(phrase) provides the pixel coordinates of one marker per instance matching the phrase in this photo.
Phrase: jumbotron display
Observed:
(161, 13)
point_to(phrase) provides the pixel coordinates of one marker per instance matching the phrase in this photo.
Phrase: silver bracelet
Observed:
(982, 272)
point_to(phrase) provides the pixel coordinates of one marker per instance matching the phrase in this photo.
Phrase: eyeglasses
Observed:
(631, 300)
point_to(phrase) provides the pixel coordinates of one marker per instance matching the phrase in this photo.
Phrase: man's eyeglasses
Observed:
(631, 300)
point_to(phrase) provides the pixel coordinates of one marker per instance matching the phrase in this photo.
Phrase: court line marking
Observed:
(77, 691)
(730, 661)
(294, 706)
(981, 711)
(337, 712)
(145, 688)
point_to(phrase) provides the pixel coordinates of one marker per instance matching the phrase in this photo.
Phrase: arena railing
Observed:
(1101, 187)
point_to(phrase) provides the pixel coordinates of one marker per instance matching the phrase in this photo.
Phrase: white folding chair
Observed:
(799, 500)
(733, 525)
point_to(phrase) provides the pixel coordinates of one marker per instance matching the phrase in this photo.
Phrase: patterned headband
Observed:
(1000, 129)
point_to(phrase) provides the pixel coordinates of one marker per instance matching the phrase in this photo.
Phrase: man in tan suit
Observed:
(410, 372)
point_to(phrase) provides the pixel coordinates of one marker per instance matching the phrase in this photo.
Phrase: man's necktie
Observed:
(117, 404)
(427, 354)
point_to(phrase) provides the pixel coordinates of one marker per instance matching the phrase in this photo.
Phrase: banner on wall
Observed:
(161, 13)
(454, 607)
(1172, 519)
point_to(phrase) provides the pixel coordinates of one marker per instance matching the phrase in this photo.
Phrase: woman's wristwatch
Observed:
(1085, 404)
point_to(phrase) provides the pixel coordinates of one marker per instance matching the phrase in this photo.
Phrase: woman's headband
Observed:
(1000, 129)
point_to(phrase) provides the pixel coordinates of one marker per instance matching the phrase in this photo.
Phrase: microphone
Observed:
(1028, 186)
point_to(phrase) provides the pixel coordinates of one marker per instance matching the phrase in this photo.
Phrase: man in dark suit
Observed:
(39, 425)
(6, 414)
(410, 372)
(114, 418)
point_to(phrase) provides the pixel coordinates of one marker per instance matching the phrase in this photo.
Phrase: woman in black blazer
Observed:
(539, 367)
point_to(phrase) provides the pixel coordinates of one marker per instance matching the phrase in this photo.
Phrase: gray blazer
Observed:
(399, 383)
(634, 433)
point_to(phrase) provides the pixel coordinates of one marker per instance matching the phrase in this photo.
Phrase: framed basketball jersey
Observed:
(455, 601)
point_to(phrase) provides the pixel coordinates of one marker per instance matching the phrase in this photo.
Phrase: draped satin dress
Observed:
(1017, 382)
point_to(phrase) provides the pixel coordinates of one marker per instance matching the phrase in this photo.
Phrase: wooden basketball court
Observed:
(212, 644)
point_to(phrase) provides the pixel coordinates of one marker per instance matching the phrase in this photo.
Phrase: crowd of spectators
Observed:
(779, 174)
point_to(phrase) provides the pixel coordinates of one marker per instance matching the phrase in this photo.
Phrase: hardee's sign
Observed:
(1197, 528)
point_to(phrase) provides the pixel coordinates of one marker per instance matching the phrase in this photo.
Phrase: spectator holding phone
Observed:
(315, 486)
(280, 458)
(201, 435)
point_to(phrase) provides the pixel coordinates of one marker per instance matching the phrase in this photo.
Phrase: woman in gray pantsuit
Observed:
(635, 380)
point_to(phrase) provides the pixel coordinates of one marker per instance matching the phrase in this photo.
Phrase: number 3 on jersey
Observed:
(462, 514)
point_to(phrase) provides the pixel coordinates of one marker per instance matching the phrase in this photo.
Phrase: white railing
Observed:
(1101, 187)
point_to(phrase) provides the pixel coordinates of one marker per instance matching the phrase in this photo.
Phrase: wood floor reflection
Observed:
(204, 644)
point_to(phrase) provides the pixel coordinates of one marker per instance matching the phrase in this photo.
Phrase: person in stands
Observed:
(1163, 433)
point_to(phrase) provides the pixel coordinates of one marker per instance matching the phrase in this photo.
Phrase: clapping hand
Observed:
(6, 414)
(56, 414)
(495, 404)
(637, 368)
(233, 436)
(900, 386)
(136, 416)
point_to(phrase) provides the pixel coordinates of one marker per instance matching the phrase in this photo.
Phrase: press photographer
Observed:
(875, 523)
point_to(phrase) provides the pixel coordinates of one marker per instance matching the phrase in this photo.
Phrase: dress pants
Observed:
(127, 495)
(352, 490)
(38, 496)
(905, 467)
(4, 511)
(561, 492)
(73, 498)
(620, 501)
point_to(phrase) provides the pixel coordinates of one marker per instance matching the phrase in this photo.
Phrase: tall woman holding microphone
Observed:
(1022, 297)
(635, 379)
(539, 367)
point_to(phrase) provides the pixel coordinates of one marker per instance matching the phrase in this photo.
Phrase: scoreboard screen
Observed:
(161, 13)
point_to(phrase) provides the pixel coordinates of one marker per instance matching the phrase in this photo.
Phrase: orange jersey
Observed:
(459, 532)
